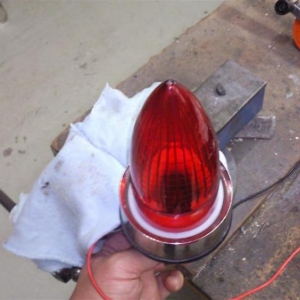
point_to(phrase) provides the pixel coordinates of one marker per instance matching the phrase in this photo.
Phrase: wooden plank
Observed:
(250, 33)
(255, 254)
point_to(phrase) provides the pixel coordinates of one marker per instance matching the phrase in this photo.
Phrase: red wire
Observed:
(242, 296)
(90, 273)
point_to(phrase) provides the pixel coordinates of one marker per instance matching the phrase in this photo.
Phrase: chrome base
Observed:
(177, 250)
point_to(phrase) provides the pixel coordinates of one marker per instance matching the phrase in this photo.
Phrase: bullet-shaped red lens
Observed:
(174, 161)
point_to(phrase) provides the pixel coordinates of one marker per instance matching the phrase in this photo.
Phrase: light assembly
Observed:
(176, 195)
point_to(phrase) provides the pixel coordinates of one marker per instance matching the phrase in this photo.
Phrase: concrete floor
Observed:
(55, 58)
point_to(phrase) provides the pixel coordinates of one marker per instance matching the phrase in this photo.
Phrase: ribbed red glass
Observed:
(174, 161)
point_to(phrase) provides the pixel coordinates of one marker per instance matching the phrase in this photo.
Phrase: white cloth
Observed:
(75, 201)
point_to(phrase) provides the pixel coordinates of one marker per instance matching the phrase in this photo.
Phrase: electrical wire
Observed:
(90, 273)
(290, 172)
(278, 272)
(8, 204)
(101, 293)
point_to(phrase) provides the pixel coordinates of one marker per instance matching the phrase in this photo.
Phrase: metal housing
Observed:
(232, 111)
(177, 250)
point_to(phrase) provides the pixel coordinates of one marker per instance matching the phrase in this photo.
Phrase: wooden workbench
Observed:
(250, 33)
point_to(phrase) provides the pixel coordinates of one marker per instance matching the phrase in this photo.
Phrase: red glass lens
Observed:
(174, 161)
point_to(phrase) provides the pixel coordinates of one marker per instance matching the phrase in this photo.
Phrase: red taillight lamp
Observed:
(176, 196)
